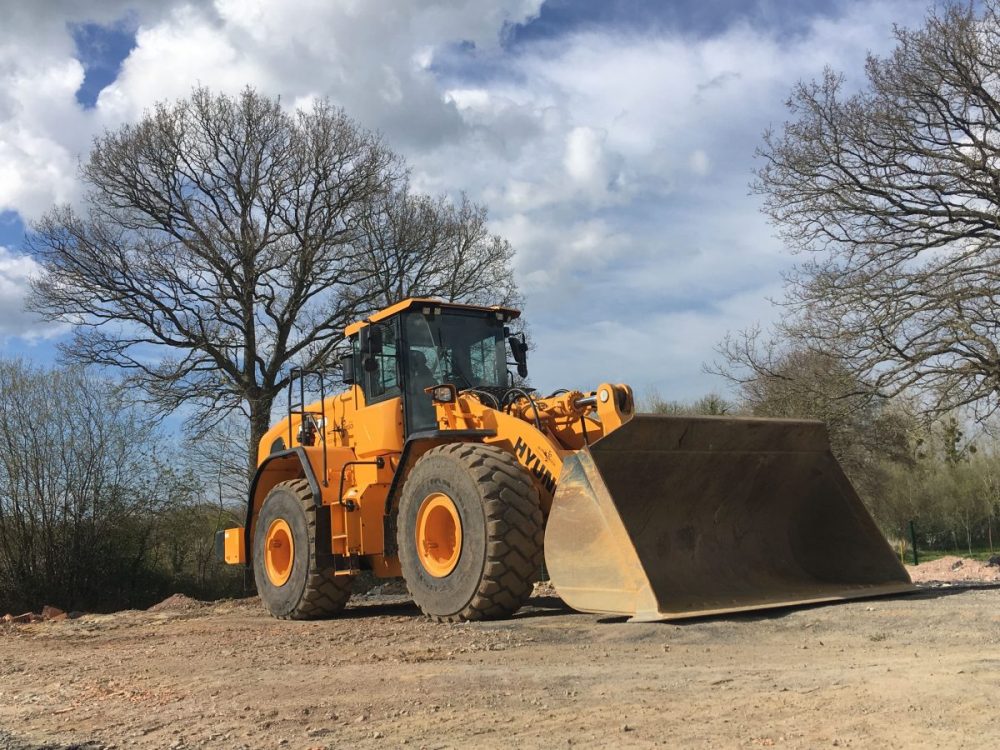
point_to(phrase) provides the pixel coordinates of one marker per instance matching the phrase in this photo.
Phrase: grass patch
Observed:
(933, 554)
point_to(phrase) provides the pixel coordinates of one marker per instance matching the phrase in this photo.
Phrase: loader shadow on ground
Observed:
(545, 606)
(402, 606)
(398, 607)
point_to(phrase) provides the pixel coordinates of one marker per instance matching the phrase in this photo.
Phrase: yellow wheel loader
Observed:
(434, 467)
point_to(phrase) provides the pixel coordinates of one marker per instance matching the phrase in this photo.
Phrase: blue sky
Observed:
(613, 141)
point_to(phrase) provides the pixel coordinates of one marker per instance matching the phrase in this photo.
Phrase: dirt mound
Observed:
(178, 603)
(951, 568)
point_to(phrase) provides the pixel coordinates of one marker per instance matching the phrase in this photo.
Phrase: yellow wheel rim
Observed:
(279, 552)
(439, 534)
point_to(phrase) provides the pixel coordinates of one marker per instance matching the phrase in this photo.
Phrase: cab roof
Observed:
(411, 302)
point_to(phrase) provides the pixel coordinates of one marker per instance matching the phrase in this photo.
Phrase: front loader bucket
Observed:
(671, 517)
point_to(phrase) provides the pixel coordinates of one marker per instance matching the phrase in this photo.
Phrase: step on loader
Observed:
(434, 466)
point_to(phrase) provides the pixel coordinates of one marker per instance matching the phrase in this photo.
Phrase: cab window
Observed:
(382, 381)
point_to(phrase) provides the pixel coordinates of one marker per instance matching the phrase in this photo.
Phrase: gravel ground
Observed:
(921, 670)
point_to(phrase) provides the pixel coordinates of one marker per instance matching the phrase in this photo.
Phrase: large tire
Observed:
(500, 536)
(310, 591)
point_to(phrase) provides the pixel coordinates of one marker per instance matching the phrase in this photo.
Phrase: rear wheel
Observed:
(469, 533)
(290, 582)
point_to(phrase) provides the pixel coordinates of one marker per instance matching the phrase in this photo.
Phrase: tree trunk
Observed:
(260, 422)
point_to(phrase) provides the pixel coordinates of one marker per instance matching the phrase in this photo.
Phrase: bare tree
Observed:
(866, 431)
(221, 240)
(894, 191)
(417, 246)
(83, 482)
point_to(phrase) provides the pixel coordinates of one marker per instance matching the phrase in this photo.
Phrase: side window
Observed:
(383, 381)
(483, 360)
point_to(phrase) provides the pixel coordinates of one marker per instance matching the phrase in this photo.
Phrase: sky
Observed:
(612, 141)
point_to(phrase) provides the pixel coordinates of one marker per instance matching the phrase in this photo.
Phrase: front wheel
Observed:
(469, 533)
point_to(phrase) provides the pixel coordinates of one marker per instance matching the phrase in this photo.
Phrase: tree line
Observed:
(889, 329)
(99, 509)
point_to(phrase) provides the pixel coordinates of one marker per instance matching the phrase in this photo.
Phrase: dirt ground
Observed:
(954, 569)
(911, 671)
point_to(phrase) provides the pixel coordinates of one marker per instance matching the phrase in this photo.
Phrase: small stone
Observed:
(626, 728)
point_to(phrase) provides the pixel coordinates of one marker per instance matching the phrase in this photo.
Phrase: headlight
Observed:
(443, 394)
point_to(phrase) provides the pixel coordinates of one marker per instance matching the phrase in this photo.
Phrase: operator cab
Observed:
(417, 344)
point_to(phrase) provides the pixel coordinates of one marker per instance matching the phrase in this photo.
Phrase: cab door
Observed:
(379, 424)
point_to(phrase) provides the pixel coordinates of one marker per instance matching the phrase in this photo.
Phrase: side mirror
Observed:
(519, 349)
(347, 366)
(370, 340)
(370, 344)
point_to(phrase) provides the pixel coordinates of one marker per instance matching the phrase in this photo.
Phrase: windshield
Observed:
(465, 349)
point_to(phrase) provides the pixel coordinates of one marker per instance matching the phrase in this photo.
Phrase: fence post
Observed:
(913, 543)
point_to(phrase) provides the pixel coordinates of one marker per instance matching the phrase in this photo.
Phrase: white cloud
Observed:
(699, 162)
(15, 272)
(649, 350)
(585, 159)
(37, 161)
(373, 61)
(617, 164)
(43, 129)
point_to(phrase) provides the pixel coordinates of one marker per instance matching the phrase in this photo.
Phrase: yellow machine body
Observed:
(649, 517)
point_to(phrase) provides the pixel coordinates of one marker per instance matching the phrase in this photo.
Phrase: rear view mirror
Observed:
(370, 340)
(519, 350)
(370, 344)
(347, 367)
